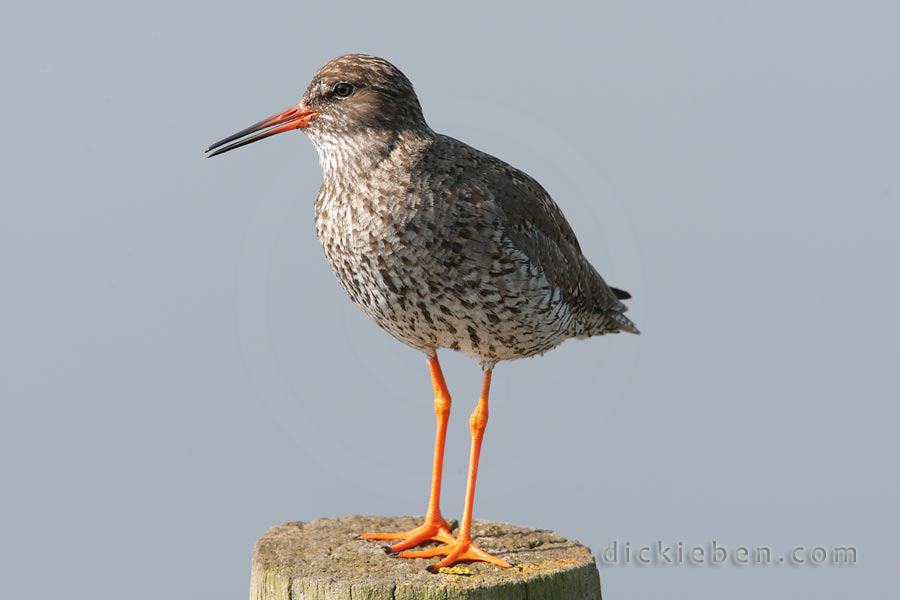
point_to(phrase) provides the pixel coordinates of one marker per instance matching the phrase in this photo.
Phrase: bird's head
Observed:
(349, 94)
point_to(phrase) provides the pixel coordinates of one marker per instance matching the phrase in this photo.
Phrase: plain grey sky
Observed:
(180, 369)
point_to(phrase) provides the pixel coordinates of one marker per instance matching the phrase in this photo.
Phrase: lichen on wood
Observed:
(324, 560)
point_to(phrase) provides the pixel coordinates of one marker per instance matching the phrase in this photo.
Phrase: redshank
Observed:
(441, 245)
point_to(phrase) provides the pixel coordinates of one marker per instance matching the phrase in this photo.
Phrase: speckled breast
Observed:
(434, 278)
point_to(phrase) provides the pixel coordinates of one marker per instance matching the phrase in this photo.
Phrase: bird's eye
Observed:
(342, 90)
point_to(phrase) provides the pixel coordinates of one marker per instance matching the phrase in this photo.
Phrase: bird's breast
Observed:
(365, 241)
(355, 223)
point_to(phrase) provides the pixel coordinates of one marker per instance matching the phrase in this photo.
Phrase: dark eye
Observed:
(342, 90)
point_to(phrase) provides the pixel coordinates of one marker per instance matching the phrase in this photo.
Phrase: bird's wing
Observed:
(537, 228)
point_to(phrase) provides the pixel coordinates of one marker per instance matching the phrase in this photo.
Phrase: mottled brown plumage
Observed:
(442, 245)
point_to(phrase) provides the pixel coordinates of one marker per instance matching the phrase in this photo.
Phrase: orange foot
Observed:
(437, 530)
(456, 551)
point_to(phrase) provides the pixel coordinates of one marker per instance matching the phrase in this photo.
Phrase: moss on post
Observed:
(323, 560)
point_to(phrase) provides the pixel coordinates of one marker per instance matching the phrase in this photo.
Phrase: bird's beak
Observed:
(293, 118)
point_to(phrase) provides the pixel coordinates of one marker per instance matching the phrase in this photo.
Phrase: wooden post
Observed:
(323, 560)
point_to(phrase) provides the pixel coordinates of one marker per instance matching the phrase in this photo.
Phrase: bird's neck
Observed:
(360, 154)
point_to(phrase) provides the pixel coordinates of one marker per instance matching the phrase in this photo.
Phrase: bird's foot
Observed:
(437, 530)
(454, 552)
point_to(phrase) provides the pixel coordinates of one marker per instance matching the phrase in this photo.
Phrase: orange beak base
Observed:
(296, 117)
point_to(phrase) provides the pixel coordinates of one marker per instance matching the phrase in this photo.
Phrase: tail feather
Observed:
(606, 323)
(620, 294)
(624, 323)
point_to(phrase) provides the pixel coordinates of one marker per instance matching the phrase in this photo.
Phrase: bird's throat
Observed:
(361, 154)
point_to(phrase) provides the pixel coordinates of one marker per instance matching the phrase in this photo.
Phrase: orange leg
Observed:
(462, 547)
(435, 527)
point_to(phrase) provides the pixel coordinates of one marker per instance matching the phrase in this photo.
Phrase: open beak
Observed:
(293, 118)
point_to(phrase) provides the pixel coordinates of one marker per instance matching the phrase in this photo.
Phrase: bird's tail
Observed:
(624, 323)
(606, 323)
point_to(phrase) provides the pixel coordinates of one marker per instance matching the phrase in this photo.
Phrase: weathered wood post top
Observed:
(324, 560)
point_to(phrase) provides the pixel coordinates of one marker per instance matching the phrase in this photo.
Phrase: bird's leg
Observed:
(434, 527)
(462, 548)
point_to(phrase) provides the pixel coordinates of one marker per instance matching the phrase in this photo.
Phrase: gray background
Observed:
(180, 370)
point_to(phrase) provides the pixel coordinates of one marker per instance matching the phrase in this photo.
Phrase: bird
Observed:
(444, 247)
